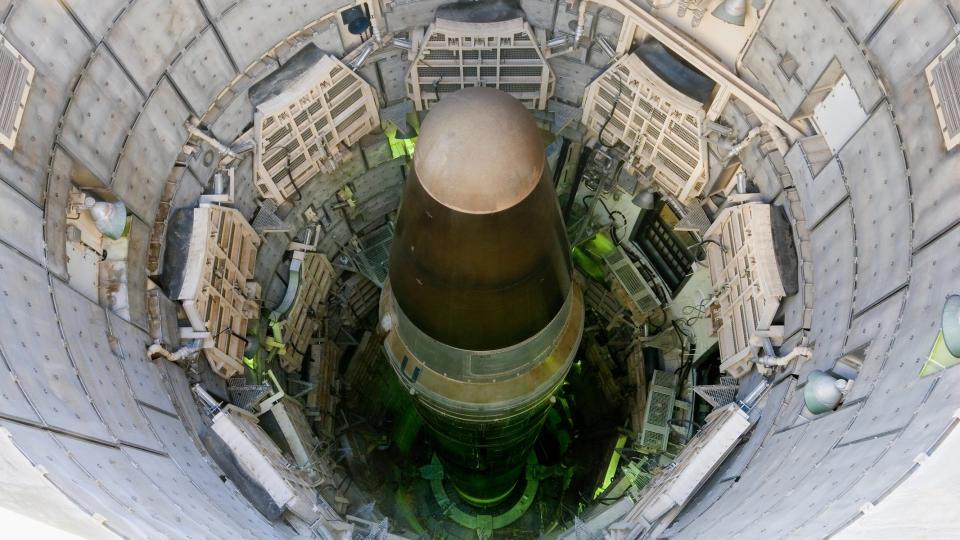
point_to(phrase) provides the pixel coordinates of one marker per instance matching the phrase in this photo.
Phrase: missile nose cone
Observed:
(480, 260)
(479, 151)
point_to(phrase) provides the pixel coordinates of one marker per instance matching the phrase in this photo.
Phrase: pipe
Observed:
(180, 354)
(779, 139)
(557, 41)
(581, 22)
(218, 185)
(744, 143)
(376, 31)
(751, 399)
(361, 57)
(742, 182)
(213, 406)
(607, 47)
(770, 360)
(219, 146)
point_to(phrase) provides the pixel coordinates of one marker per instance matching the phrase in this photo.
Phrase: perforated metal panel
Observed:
(717, 395)
(246, 396)
(373, 257)
(267, 220)
(656, 421)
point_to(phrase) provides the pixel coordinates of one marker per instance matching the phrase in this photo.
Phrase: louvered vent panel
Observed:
(946, 79)
(694, 220)
(16, 76)
(448, 57)
(296, 139)
(943, 76)
(657, 124)
(630, 280)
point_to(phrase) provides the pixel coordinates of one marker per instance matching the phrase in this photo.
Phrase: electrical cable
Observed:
(695, 313)
(613, 109)
(687, 351)
(611, 214)
(293, 183)
(722, 247)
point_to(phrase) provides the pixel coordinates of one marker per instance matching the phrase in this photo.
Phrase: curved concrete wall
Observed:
(882, 254)
(110, 434)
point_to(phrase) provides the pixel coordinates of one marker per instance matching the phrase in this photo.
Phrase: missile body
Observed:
(481, 314)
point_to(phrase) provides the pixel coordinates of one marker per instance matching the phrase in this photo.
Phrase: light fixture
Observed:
(109, 218)
(358, 26)
(356, 20)
(732, 11)
(950, 324)
(822, 392)
(645, 199)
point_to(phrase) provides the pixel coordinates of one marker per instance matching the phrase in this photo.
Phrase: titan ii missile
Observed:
(481, 315)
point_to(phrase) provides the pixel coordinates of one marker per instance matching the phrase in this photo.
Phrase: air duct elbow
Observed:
(176, 356)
